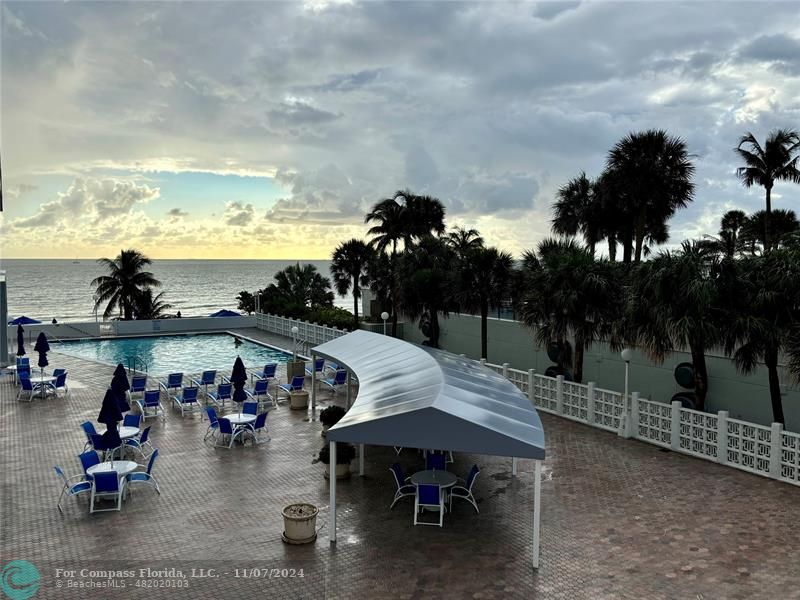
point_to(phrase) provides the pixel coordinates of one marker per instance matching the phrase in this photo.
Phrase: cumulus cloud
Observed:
(238, 214)
(177, 213)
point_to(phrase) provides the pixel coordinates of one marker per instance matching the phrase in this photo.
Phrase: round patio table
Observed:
(443, 479)
(120, 467)
(126, 433)
(40, 380)
(240, 418)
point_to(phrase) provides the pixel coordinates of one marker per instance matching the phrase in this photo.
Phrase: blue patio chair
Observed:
(435, 460)
(224, 393)
(319, 364)
(26, 387)
(465, 491)
(150, 405)
(331, 366)
(88, 429)
(23, 360)
(99, 445)
(260, 424)
(173, 383)
(267, 373)
(295, 386)
(429, 496)
(145, 476)
(89, 459)
(107, 484)
(337, 381)
(57, 372)
(132, 421)
(213, 423)
(59, 384)
(73, 486)
(187, 400)
(259, 393)
(250, 408)
(141, 444)
(138, 385)
(404, 488)
(207, 378)
(226, 429)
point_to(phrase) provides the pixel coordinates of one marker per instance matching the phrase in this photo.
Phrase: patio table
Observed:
(443, 479)
(40, 380)
(120, 467)
(240, 421)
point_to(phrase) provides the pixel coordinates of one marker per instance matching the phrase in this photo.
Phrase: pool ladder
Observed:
(134, 361)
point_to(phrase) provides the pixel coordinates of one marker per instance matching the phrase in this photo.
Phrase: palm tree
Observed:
(125, 281)
(482, 281)
(782, 223)
(578, 210)
(423, 216)
(650, 175)
(761, 301)
(569, 292)
(149, 306)
(349, 265)
(673, 303)
(296, 290)
(462, 240)
(389, 218)
(777, 160)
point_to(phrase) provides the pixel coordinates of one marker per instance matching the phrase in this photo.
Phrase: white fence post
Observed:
(483, 361)
(675, 430)
(560, 394)
(590, 403)
(633, 424)
(505, 370)
(531, 389)
(775, 450)
(722, 437)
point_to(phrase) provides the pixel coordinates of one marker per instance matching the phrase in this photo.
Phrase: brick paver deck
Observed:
(620, 519)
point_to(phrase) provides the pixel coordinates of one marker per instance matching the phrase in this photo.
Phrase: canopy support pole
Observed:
(332, 480)
(537, 496)
(349, 389)
(313, 385)
(513, 466)
(361, 460)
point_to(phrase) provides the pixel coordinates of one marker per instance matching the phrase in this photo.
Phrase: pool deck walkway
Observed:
(620, 519)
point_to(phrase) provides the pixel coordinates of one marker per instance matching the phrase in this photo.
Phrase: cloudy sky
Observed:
(268, 129)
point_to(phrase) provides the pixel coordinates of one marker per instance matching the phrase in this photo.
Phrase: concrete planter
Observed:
(342, 471)
(295, 368)
(299, 523)
(298, 400)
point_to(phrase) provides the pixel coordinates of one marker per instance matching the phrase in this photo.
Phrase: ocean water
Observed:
(61, 289)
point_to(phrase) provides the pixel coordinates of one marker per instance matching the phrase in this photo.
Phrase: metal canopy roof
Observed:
(419, 397)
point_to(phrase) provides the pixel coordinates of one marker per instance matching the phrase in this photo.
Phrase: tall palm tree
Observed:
(149, 306)
(728, 242)
(578, 210)
(125, 281)
(481, 282)
(389, 228)
(569, 292)
(462, 240)
(777, 160)
(761, 301)
(782, 223)
(424, 216)
(650, 174)
(673, 302)
(349, 265)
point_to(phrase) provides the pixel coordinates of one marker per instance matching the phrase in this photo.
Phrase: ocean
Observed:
(61, 289)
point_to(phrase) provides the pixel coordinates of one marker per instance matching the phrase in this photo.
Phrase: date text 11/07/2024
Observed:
(250, 573)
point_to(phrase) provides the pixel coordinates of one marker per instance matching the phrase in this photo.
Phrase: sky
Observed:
(269, 129)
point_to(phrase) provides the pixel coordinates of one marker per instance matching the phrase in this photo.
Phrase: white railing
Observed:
(768, 451)
(308, 332)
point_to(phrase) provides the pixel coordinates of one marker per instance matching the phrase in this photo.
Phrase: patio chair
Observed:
(260, 395)
(224, 393)
(59, 384)
(89, 459)
(226, 429)
(73, 486)
(250, 408)
(99, 445)
(174, 382)
(260, 424)
(319, 365)
(331, 366)
(337, 381)
(187, 400)
(57, 372)
(138, 385)
(213, 425)
(26, 387)
(88, 429)
(145, 476)
(23, 360)
(207, 378)
(435, 460)
(107, 484)
(141, 444)
(465, 491)
(404, 488)
(295, 386)
(150, 405)
(267, 373)
(132, 421)
(429, 496)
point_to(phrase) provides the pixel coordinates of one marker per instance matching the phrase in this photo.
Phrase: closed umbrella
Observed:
(42, 347)
(20, 341)
(120, 385)
(238, 379)
(110, 415)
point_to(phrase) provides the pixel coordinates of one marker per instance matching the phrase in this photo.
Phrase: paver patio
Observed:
(620, 519)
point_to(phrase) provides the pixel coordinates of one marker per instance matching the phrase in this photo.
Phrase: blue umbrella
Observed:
(120, 385)
(23, 320)
(20, 341)
(238, 379)
(225, 313)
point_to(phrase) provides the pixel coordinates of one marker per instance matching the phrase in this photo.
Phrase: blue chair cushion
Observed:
(138, 477)
(83, 486)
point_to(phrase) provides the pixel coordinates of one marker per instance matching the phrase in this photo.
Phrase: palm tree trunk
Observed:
(640, 223)
(434, 328)
(771, 361)
(767, 219)
(591, 247)
(355, 304)
(700, 375)
(577, 368)
(627, 245)
(612, 247)
(484, 336)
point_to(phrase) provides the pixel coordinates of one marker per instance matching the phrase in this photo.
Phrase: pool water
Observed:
(165, 354)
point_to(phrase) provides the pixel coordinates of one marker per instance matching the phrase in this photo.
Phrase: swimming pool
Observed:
(164, 354)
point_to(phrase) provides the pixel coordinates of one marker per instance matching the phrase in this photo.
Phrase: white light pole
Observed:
(294, 337)
(384, 316)
(627, 355)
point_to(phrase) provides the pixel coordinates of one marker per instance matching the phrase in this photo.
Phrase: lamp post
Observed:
(384, 316)
(294, 337)
(626, 355)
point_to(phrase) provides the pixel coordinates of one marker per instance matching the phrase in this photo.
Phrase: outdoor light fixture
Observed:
(384, 316)
(294, 337)
(627, 355)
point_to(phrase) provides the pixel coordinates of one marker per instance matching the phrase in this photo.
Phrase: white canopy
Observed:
(420, 397)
